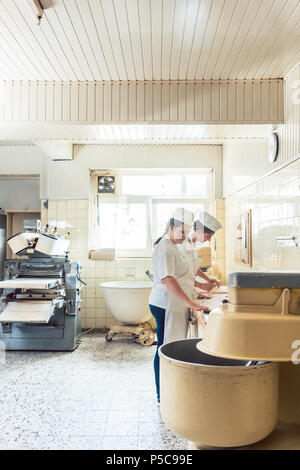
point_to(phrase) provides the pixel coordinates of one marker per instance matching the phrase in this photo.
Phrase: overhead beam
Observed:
(203, 102)
(55, 149)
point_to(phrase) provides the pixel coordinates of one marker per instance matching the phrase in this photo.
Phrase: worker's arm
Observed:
(206, 286)
(173, 286)
(212, 282)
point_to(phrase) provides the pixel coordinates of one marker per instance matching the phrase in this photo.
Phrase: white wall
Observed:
(275, 198)
(244, 161)
(24, 160)
(70, 179)
(275, 205)
(20, 194)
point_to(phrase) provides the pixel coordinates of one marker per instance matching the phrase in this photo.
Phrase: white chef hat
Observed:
(209, 221)
(184, 215)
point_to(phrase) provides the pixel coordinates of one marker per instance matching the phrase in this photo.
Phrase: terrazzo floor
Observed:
(100, 396)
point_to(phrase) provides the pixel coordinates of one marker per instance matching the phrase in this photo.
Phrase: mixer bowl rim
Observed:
(186, 364)
(269, 360)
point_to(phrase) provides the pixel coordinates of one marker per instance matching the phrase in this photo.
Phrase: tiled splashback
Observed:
(275, 204)
(72, 216)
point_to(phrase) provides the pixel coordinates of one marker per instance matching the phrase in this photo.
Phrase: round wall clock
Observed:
(273, 147)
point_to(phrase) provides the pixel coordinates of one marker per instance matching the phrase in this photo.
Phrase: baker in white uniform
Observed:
(205, 226)
(173, 283)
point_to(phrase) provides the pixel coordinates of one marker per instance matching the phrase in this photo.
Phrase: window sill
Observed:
(117, 258)
(133, 258)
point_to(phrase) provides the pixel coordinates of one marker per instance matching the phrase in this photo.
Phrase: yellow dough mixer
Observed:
(240, 385)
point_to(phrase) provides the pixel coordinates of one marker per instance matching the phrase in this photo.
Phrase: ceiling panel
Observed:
(152, 132)
(149, 39)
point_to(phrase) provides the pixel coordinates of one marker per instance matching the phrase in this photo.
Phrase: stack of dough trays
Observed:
(28, 311)
(30, 283)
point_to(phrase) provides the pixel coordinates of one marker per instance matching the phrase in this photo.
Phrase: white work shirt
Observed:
(167, 260)
(189, 251)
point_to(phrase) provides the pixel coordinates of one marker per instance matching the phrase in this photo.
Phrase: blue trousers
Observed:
(159, 315)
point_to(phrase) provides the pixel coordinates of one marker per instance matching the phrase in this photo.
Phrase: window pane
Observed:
(122, 226)
(132, 227)
(199, 185)
(151, 185)
(106, 230)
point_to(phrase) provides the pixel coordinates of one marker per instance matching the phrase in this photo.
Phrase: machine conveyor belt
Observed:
(27, 311)
(30, 283)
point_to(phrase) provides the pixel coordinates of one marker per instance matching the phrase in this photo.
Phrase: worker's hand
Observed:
(203, 296)
(195, 306)
(200, 318)
(208, 286)
(215, 282)
(211, 284)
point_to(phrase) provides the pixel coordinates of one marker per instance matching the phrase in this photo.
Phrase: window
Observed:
(133, 220)
(123, 224)
(151, 185)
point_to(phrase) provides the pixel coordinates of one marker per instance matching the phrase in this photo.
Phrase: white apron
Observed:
(189, 252)
(177, 317)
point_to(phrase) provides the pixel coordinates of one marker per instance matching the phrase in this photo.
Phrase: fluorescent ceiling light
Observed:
(36, 10)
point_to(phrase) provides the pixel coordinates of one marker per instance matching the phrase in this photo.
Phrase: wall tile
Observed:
(273, 215)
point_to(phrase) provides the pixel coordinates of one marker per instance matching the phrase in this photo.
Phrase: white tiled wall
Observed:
(275, 204)
(274, 199)
(72, 216)
(244, 161)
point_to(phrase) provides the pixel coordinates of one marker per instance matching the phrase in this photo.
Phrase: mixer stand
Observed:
(143, 333)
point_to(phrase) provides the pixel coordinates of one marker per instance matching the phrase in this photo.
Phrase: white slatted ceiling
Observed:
(95, 133)
(112, 40)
